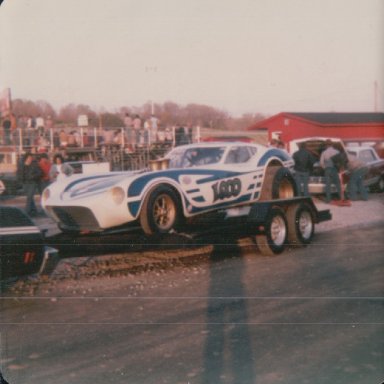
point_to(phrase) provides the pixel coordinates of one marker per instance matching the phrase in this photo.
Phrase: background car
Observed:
(374, 178)
(22, 246)
(197, 179)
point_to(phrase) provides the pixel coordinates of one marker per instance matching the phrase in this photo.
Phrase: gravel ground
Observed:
(360, 213)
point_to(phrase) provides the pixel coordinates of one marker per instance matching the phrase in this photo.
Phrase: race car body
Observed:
(197, 179)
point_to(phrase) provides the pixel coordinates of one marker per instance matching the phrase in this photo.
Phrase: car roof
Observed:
(316, 138)
(358, 148)
(213, 144)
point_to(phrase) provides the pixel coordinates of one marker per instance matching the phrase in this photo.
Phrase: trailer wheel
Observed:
(161, 211)
(301, 224)
(276, 231)
(278, 184)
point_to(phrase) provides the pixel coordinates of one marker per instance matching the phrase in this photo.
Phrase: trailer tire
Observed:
(301, 224)
(278, 184)
(276, 232)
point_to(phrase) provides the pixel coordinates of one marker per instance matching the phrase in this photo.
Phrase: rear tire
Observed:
(276, 231)
(161, 211)
(301, 225)
(278, 184)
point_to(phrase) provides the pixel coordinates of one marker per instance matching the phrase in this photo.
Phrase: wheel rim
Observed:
(286, 190)
(278, 230)
(305, 225)
(164, 212)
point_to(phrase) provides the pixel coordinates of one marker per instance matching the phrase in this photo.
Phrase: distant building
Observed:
(350, 127)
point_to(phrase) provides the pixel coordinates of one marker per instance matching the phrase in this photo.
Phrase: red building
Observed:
(350, 127)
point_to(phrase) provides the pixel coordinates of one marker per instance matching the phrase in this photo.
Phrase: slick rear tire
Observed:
(161, 211)
(278, 184)
(276, 232)
(301, 224)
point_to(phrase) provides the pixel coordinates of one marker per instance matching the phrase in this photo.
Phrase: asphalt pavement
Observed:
(313, 315)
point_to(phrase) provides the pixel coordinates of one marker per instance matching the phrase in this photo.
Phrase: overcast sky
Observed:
(257, 56)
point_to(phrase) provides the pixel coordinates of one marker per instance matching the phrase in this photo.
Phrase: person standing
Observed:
(128, 122)
(45, 166)
(330, 171)
(7, 130)
(137, 128)
(357, 171)
(303, 167)
(40, 125)
(59, 168)
(30, 175)
(154, 127)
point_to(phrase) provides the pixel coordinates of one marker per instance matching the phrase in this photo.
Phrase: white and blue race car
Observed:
(191, 180)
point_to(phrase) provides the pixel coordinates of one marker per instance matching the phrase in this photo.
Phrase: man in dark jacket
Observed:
(30, 175)
(304, 161)
(7, 131)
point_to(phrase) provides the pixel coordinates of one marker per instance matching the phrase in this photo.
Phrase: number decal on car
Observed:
(226, 188)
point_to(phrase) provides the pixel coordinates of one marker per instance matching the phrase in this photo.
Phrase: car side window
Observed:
(238, 155)
(366, 156)
(202, 156)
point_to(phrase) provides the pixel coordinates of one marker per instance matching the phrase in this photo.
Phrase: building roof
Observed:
(340, 118)
(326, 118)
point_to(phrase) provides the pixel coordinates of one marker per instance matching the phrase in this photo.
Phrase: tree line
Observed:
(168, 113)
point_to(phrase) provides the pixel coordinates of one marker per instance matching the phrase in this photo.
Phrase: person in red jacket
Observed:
(45, 166)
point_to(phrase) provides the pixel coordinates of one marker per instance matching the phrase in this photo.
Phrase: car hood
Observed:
(94, 184)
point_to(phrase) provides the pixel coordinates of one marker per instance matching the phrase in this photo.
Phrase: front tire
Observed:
(161, 211)
(276, 231)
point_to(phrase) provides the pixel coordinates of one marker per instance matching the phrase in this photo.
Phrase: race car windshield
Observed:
(194, 157)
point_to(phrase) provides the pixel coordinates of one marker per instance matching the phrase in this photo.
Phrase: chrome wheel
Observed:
(305, 225)
(164, 212)
(278, 230)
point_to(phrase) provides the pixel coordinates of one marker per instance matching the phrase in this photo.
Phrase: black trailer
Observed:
(275, 224)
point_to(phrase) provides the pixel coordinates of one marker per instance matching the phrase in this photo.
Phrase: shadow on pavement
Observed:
(228, 354)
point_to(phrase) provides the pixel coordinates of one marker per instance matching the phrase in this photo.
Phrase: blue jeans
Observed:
(30, 188)
(302, 179)
(356, 184)
(331, 177)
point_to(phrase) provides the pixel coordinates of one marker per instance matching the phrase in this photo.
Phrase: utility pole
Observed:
(151, 70)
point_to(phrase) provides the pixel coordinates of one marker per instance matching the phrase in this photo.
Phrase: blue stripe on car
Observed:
(273, 153)
(193, 190)
(137, 186)
(133, 208)
(241, 199)
(199, 199)
(83, 179)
